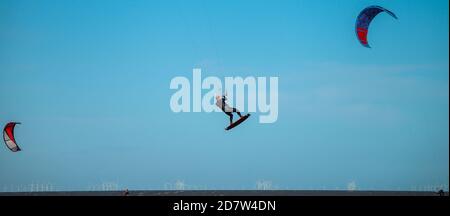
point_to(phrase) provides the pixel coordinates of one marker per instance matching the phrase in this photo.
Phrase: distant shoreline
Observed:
(228, 193)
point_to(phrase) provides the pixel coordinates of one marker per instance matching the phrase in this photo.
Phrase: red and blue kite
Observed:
(363, 21)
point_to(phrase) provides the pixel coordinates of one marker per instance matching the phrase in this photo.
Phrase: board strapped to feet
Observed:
(236, 123)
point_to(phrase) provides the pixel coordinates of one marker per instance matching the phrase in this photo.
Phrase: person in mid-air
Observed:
(220, 102)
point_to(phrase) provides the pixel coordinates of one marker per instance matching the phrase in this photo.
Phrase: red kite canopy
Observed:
(8, 137)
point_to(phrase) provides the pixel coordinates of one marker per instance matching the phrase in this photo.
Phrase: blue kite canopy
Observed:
(363, 21)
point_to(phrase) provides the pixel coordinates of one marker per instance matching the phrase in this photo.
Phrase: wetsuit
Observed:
(227, 109)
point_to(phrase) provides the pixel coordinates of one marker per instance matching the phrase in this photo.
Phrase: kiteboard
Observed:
(236, 123)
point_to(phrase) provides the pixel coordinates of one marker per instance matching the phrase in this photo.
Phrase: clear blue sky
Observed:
(89, 80)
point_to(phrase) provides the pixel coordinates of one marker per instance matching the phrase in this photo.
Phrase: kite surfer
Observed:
(220, 102)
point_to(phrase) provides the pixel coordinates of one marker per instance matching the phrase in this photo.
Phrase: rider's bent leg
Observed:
(237, 111)
(230, 114)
